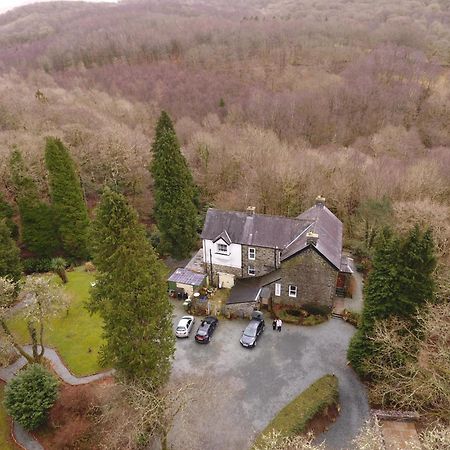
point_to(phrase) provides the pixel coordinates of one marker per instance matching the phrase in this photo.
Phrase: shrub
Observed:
(316, 310)
(294, 418)
(37, 265)
(314, 320)
(30, 395)
(89, 266)
(352, 317)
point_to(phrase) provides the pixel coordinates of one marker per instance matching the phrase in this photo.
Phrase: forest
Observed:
(274, 102)
(122, 123)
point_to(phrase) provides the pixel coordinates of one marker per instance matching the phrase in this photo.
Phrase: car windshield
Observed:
(202, 332)
(250, 332)
(181, 328)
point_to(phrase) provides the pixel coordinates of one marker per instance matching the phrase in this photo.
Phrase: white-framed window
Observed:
(252, 253)
(292, 290)
(222, 248)
(251, 270)
(277, 289)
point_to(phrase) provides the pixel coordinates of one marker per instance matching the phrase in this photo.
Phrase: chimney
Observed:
(320, 201)
(312, 238)
(251, 210)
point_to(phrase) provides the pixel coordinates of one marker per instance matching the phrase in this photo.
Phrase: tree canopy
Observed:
(10, 265)
(175, 210)
(68, 201)
(130, 294)
(38, 230)
(400, 282)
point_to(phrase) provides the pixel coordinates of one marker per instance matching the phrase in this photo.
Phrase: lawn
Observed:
(6, 442)
(76, 335)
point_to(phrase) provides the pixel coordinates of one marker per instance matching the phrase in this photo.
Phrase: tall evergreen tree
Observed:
(7, 213)
(38, 230)
(130, 294)
(175, 210)
(10, 265)
(68, 200)
(401, 281)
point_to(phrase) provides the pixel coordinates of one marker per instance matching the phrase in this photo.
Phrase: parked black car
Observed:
(253, 330)
(206, 329)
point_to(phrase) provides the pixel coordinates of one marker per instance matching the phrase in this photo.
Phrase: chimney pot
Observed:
(251, 210)
(312, 238)
(320, 201)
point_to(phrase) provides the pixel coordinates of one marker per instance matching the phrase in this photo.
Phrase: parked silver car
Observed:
(184, 326)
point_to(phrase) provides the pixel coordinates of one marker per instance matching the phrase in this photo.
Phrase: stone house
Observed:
(294, 262)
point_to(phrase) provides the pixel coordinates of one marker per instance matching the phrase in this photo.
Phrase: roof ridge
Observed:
(260, 214)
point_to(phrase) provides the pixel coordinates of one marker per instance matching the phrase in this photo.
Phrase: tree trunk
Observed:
(34, 342)
(62, 274)
(164, 443)
(21, 351)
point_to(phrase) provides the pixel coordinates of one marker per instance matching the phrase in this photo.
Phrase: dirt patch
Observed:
(322, 421)
(71, 423)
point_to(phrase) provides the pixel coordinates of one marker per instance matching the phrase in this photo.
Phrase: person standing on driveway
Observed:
(279, 323)
(274, 324)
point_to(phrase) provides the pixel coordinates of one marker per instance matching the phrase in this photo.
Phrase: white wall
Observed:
(234, 259)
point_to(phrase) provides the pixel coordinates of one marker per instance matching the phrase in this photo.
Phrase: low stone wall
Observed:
(239, 310)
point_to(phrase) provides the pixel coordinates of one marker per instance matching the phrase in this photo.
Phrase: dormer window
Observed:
(222, 248)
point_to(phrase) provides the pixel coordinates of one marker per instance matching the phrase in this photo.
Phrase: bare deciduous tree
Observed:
(43, 299)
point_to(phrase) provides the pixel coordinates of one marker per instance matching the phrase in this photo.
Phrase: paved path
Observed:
(253, 385)
(23, 437)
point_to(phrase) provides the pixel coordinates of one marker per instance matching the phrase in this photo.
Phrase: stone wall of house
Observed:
(263, 263)
(314, 277)
(239, 310)
(225, 269)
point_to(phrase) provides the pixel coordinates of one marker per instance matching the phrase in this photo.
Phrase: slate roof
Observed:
(287, 234)
(260, 230)
(246, 290)
(186, 276)
(328, 227)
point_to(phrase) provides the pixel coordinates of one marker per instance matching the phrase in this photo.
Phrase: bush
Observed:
(352, 317)
(314, 320)
(294, 418)
(30, 395)
(89, 266)
(37, 265)
(316, 310)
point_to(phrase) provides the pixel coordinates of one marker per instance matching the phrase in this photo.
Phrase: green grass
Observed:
(76, 335)
(295, 416)
(6, 442)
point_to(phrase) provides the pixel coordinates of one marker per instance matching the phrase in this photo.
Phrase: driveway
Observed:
(252, 385)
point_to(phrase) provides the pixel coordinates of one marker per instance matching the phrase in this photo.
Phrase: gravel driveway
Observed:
(252, 385)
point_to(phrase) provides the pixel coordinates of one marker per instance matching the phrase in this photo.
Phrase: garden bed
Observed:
(300, 317)
(313, 410)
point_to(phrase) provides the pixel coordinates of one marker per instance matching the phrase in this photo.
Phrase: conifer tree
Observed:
(7, 213)
(130, 294)
(38, 230)
(401, 281)
(68, 201)
(10, 265)
(175, 210)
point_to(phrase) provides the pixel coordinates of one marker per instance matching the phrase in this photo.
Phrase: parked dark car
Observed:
(206, 329)
(253, 330)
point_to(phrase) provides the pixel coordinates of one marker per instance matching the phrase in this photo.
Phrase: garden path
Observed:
(23, 437)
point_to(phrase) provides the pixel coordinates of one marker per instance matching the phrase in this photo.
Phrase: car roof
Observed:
(253, 324)
(210, 319)
(184, 320)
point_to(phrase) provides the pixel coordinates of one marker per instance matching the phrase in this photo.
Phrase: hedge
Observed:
(295, 416)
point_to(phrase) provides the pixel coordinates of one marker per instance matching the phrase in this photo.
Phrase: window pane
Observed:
(277, 289)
